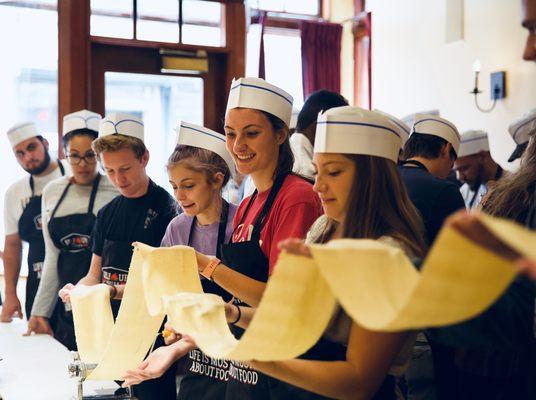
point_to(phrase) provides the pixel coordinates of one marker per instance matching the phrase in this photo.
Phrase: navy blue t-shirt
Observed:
(435, 198)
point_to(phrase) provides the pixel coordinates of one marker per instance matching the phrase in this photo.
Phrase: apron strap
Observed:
(62, 169)
(32, 185)
(222, 227)
(93, 195)
(259, 222)
(62, 197)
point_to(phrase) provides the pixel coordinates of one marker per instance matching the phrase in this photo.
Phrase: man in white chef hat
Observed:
(521, 130)
(475, 167)
(429, 155)
(141, 213)
(22, 214)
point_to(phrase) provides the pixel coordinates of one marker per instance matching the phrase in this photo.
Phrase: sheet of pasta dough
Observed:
(376, 284)
(164, 271)
(296, 308)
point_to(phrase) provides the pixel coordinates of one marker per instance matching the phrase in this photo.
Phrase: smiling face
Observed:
(84, 170)
(126, 171)
(335, 174)
(32, 155)
(252, 142)
(194, 193)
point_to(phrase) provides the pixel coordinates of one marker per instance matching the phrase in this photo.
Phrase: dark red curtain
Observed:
(321, 56)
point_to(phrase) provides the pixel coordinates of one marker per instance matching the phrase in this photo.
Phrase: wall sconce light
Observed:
(497, 85)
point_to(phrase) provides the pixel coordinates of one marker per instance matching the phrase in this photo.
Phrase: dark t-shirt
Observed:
(435, 198)
(143, 219)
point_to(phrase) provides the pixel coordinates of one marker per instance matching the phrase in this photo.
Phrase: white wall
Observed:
(414, 69)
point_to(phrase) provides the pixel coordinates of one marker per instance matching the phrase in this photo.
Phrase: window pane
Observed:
(253, 50)
(196, 11)
(112, 18)
(270, 5)
(202, 35)
(202, 23)
(28, 83)
(161, 101)
(158, 21)
(309, 7)
(283, 65)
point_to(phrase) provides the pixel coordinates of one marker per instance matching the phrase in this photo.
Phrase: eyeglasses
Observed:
(75, 159)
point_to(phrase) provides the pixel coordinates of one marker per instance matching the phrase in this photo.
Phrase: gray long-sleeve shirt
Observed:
(76, 201)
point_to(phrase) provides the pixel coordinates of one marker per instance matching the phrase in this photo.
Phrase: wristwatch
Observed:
(209, 269)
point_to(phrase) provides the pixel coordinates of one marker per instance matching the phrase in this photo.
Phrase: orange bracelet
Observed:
(209, 269)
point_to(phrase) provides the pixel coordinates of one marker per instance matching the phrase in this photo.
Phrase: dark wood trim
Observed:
(150, 44)
(235, 36)
(75, 59)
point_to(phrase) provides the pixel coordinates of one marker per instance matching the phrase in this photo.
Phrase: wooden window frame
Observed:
(81, 65)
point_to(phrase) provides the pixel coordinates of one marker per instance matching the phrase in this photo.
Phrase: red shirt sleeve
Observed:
(293, 222)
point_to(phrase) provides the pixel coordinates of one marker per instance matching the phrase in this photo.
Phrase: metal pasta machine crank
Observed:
(80, 370)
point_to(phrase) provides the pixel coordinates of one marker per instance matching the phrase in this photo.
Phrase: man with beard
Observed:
(22, 215)
(475, 167)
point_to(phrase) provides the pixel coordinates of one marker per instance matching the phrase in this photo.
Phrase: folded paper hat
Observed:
(353, 130)
(401, 127)
(258, 94)
(121, 124)
(198, 136)
(20, 132)
(473, 142)
(521, 130)
(82, 119)
(426, 124)
(409, 120)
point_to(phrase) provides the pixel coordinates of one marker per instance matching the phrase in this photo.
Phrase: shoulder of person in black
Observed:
(435, 198)
(129, 219)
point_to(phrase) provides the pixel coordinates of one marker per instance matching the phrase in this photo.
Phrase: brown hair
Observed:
(285, 158)
(200, 160)
(379, 205)
(116, 142)
(513, 195)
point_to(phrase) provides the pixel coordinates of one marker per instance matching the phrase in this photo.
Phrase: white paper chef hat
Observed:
(198, 136)
(82, 119)
(436, 126)
(258, 94)
(409, 120)
(20, 132)
(521, 129)
(122, 124)
(402, 129)
(473, 142)
(353, 130)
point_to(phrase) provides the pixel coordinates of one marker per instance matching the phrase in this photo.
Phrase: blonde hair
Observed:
(116, 142)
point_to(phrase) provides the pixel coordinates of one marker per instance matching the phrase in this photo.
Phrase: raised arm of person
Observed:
(12, 260)
(291, 222)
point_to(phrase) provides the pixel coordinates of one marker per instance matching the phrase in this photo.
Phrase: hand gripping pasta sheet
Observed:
(376, 284)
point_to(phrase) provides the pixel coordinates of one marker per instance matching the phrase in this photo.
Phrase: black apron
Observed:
(115, 263)
(71, 235)
(248, 259)
(204, 377)
(31, 231)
